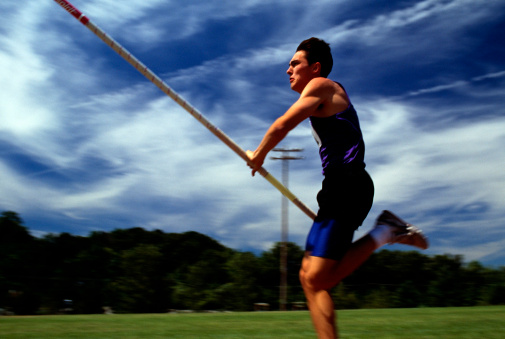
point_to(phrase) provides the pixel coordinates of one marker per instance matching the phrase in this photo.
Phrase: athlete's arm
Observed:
(312, 97)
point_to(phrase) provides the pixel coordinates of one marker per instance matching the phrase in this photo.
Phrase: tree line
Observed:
(138, 271)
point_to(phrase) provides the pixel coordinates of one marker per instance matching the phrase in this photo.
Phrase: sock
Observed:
(381, 234)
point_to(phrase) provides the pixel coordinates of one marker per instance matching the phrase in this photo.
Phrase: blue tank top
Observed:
(340, 141)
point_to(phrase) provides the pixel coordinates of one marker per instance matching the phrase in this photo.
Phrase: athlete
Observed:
(347, 190)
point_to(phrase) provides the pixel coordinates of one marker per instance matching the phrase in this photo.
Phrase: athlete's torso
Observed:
(340, 140)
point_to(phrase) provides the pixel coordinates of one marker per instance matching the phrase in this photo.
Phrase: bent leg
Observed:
(318, 275)
(357, 254)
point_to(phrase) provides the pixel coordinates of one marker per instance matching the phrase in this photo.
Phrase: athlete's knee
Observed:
(314, 280)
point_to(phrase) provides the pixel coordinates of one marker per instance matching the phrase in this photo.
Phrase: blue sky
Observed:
(87, 143)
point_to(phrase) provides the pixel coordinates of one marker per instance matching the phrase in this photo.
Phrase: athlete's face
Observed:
(300, 72)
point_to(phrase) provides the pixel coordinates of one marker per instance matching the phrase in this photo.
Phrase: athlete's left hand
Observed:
(254, 162)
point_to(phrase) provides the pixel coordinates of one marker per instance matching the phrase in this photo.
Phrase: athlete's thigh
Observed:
(318, 269)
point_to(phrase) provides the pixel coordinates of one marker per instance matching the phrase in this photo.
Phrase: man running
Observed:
(347, 190)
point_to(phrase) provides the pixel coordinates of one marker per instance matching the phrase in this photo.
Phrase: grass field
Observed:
(446, 323)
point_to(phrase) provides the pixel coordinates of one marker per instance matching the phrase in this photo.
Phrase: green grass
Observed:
(446, 323)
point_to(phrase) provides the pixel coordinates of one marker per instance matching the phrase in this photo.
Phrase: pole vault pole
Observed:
(139, 66)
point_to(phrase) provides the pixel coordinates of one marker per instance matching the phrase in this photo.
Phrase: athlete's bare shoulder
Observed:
(321, 83)
(322, 88)
(333, 97)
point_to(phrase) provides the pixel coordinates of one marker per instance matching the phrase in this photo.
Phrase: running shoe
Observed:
(403, 232)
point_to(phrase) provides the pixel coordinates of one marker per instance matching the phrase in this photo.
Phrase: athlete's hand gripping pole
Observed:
(139, 66)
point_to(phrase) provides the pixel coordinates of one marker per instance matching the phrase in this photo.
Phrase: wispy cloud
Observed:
(456, 84)
(89, 144)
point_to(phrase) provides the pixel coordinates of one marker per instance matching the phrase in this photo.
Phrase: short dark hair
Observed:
(318, 51)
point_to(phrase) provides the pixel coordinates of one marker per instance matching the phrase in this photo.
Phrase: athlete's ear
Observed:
(316, 67)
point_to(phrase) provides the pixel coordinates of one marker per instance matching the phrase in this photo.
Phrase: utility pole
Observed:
(283, 289)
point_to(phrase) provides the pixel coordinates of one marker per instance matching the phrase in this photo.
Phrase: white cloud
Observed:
(23, 107)
(128, 152)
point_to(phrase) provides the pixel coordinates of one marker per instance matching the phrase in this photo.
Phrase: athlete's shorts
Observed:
(344, 202)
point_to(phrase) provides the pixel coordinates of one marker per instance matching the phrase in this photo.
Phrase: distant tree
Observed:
(270, 274)
(198, 284)
(12, 228)
(243, 289)
(476, 282)
(399, 276)
(136, 270)
(344, 298)
(139, 285)
(61, 270)
(493, 292)
(446, 285)
(16, 265)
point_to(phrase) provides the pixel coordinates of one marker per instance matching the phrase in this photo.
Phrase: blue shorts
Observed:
(344, 202)
(329, 238)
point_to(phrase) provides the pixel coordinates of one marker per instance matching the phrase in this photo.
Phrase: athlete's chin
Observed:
(296, 88)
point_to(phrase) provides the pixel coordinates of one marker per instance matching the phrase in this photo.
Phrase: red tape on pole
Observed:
(72, 10)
